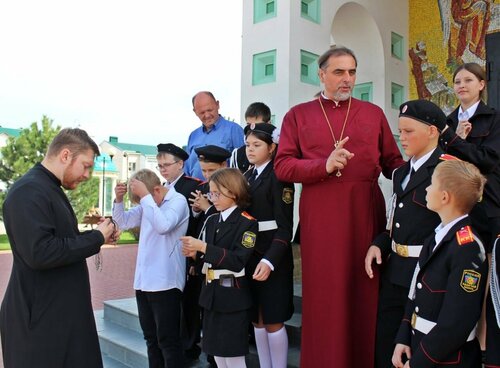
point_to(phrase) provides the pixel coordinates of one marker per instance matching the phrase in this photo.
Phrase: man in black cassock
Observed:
(46, 317)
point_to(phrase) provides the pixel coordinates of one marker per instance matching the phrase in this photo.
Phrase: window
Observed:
(397, 46)
(264, 68)
(397, 95)
(263, 10)
(363, 91)
(309, 68)
(310, 10)
(131, 166)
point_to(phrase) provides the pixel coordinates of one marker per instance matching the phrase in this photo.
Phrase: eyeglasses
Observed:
(164, 166)
(211, 196)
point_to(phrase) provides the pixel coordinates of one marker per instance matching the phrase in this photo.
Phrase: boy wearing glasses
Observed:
(160, 271)
(211, 159)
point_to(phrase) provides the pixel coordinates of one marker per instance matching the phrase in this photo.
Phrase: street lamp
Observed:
(126, 166)
(104, 182)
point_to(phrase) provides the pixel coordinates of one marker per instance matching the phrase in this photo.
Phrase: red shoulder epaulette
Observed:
(448, 157)
(247, 215)
(465, 235)
(193, 178)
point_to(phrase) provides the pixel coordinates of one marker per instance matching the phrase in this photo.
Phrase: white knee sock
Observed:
(263, 347)
(278, 344)
(221, 362)
(236, 362)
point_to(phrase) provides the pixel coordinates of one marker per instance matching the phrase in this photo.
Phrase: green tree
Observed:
(84, 197)
(21, 153)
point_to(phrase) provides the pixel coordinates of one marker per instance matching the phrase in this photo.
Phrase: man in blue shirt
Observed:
(215, 130)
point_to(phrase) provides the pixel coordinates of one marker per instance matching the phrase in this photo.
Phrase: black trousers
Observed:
(391, 308)
(191, 319)
(159, 316)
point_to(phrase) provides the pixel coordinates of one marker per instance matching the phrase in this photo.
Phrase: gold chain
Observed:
(335, 141)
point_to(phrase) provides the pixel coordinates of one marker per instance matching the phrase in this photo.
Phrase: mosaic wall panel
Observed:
(444, 34)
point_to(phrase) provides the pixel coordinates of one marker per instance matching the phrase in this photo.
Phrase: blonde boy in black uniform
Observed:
(410, 221)
(447, 289)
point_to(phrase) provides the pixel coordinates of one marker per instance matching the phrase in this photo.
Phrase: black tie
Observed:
(252, 177)
(412, 172)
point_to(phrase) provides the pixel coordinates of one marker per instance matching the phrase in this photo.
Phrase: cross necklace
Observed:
(335, 141)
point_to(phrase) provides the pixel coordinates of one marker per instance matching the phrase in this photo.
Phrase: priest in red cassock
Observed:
(337, 146)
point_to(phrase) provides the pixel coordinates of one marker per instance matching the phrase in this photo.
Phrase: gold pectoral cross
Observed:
(336, 145)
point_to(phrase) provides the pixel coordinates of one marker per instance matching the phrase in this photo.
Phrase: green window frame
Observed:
(309, 68)
(264, 67)
(264, 10)
(397, 46)
(311, 10)
(397, 95)
(363, 91)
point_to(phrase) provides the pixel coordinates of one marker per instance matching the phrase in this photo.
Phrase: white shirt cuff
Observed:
(268, 263)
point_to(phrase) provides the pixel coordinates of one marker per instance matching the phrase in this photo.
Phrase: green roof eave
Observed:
(141, 148)
(11, 132)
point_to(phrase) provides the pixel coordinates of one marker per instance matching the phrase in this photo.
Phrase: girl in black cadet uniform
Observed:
(474, 135)
(271, 265)
(226, 245)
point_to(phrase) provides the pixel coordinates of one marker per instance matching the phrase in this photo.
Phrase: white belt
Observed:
(406, 250)
(425, 326)
(212, 274)
(268, 225)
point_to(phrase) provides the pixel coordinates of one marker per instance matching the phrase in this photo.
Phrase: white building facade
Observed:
(282, 39)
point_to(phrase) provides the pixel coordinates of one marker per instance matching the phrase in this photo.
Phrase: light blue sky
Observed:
(118, 67)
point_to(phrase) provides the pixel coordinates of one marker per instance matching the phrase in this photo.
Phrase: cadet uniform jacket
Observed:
(185, 186)
(449, 290)
(229, 246)
(272, 200)
(482, 148)
(412, 222)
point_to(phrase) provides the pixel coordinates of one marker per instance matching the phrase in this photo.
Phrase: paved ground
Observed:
(113, 281)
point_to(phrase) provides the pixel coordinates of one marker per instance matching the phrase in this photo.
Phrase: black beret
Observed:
(212, 154)
(266, 128)
(424, 111)
(173, 150)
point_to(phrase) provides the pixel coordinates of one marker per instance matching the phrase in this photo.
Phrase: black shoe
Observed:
(193, 353)
(211, 361)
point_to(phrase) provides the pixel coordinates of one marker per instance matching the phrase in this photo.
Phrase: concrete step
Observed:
(125, 348)
(297, 297)
(119, 343)
(123, 312)
(252, 359)
(123, 345)
(109, 362)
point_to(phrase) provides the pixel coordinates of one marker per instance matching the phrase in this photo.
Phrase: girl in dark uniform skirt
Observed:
(271, 265)
(226, 245)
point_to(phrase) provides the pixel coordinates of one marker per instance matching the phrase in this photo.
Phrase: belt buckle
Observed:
(413, 320)
(210, 275)
(402, 250)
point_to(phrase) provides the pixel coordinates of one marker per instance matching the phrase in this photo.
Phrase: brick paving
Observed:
(113, 281)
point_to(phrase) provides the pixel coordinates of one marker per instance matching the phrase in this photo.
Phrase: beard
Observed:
(341, 96)
(69, 180)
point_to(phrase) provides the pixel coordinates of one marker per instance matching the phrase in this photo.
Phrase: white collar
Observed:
(416, 164)
(261, 167)
(441, 230)
(470, 111)
(228, 211)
